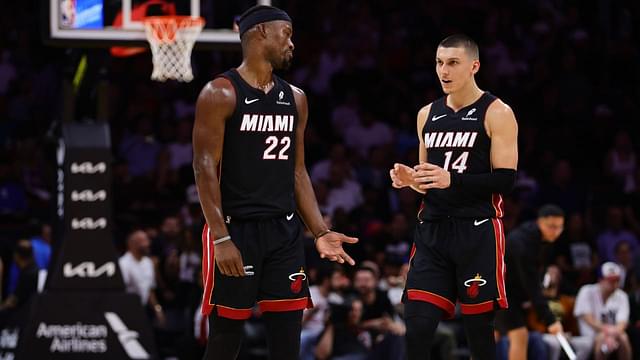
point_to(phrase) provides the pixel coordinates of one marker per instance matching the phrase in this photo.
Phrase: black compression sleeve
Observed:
(498, 181)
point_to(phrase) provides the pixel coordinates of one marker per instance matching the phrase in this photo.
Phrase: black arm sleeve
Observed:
(498, 181)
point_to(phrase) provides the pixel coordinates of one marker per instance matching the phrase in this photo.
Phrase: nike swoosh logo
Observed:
(434, 118)
(476, 222)
(247, 101)
(289, 217)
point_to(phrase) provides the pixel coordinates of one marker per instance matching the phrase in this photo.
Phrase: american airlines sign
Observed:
(88, 223)
(88, 195)
(88, 167)
(88, 269)
(91, 338)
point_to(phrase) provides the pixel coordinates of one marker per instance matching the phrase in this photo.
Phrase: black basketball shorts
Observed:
(273, 250)
(458, 260)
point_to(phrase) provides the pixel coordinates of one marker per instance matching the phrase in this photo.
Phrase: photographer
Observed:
(343, 339)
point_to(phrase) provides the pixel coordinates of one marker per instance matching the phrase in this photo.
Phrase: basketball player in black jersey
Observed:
(248, 142)
(468, 156)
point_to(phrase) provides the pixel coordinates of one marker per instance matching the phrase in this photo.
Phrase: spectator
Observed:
(313, 320)
(561, 306)
(343, 339)
(575, 253)
(138, 272)
(378, 315)
(369, 133)
(347, 114)
(345, 193)
(602, 310)
(180, 150)
(13, 197)
(340, 285)
(41, 245)
(7, 72)
(614, 233)
(562, 189)
(27, 281)
(321, 171)
(622, 164)
(140, 148)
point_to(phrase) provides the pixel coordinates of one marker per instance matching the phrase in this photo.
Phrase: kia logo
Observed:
(87, 269)
(88, 195)
(88, 167)
(88, 223)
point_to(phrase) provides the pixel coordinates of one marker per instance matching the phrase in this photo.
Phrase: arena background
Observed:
(569, 69)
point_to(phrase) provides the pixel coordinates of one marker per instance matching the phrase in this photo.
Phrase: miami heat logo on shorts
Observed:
(473, 285)
(296, 280)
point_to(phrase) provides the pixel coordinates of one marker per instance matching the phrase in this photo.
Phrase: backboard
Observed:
(104, 23)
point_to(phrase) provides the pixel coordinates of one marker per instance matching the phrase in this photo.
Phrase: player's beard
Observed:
(282, 63)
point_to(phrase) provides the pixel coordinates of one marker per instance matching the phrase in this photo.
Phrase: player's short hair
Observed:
(463, 41)
(550, 210)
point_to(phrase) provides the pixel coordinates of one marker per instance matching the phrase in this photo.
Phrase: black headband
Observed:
(260, 14)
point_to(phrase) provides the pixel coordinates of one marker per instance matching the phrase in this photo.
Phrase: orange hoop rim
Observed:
(165, 27)
(180, 20)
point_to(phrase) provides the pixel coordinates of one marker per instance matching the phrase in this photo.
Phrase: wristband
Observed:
(321, 234)
(221, 240)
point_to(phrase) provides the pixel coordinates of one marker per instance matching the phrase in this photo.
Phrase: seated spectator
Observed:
(602, 310)
(576, 255)
(321, 171)
(378, 315)
(27, 284)
(561, 306)
(622, 163)
(614, 233)
(345, 193)
(634, 307)
(368, 133)
(41, 245)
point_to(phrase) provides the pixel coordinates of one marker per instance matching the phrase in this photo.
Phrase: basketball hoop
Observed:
(172, 39)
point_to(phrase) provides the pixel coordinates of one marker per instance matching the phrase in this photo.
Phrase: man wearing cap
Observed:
(248, 142)
(602, 310)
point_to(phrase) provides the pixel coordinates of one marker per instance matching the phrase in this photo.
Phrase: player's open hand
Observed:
(401, 176)
(228, 259)
(329, 246)
(430, 176)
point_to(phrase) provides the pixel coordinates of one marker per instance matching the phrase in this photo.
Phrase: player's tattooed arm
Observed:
(328, 243)
(215, 104)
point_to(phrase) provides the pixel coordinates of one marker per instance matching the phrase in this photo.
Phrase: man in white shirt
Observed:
(138, 272)
(602, 311)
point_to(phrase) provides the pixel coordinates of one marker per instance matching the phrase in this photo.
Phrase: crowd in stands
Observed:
(569, 70)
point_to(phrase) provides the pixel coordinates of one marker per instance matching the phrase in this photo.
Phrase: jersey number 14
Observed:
(272, 142)
(459, 164)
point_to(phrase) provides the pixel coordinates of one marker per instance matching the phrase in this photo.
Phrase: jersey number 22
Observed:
(272, 142)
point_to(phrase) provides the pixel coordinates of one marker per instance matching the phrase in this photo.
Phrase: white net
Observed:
(172, 39)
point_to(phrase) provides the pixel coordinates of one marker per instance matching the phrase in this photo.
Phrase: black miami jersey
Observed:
(258, 155)
(458, 142)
